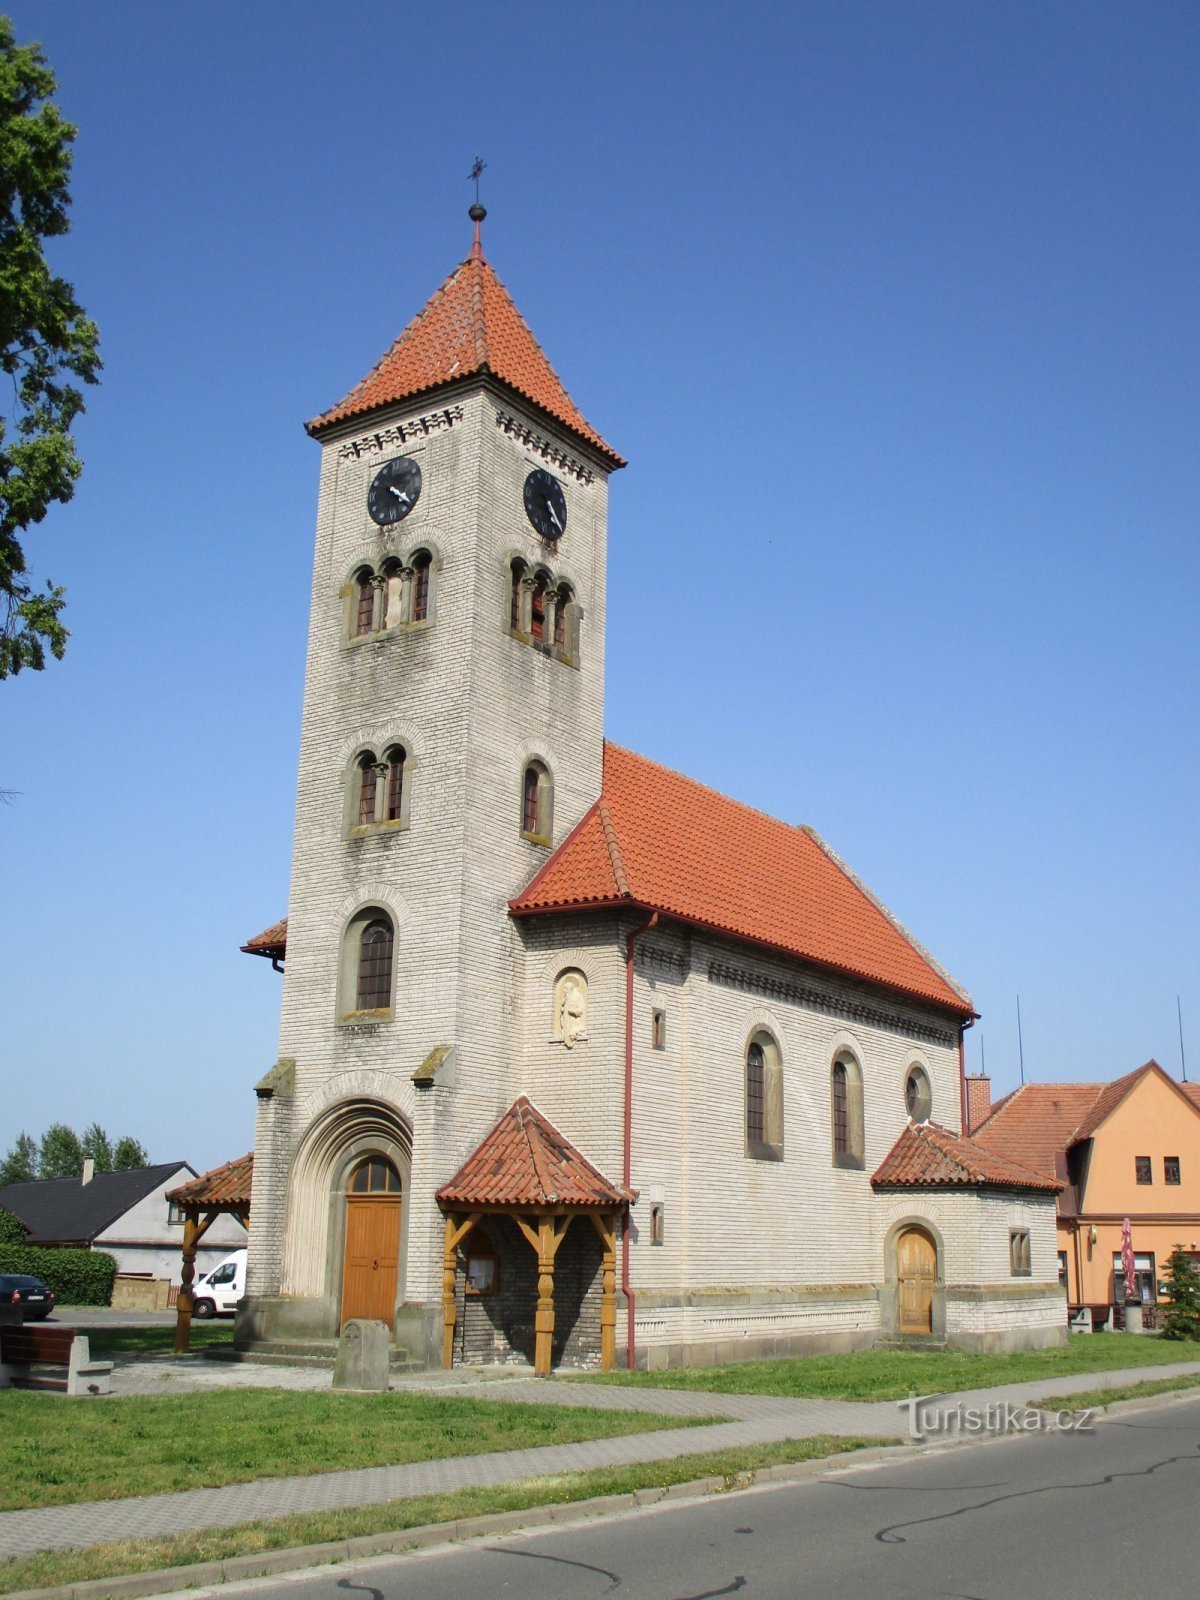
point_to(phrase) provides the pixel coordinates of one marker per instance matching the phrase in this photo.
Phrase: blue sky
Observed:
(893, 309)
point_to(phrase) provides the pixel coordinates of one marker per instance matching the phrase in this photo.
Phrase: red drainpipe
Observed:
(626, 1290)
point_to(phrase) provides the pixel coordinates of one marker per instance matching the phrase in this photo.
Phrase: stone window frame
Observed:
(658, 1029)
(398, 590)
(556, 633)
(658, 1223)
(763, 1142)
(349, 1011)
(918, 1093)
(364, 758)
(542, 831)
(852, 1153)
(1020, 1253)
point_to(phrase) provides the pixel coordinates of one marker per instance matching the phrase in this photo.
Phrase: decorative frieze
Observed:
(848, 1010)
(368, 444)
(656, 957)
(541, 446)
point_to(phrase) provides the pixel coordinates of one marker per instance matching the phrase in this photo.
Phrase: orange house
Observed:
(1124, 1149)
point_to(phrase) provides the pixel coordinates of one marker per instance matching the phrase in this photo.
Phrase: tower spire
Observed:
(477, 212)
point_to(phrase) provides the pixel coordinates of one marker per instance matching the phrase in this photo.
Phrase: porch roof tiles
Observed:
(526, 1163)
(928, 1156)
(228, 1185)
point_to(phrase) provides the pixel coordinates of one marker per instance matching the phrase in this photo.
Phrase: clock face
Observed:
(395, 490)
(546, 504)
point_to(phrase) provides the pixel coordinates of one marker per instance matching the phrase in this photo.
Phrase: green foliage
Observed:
(78, 1277)
(96, 1144)
(20, 1164)
(1181, 1319)
(60, 1155)
(46, 339)
(129, 1154)
(12, 1229)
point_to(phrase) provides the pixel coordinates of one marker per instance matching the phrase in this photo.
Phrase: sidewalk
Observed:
(753, 1419)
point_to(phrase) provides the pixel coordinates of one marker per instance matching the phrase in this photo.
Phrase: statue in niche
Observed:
(570, 1012)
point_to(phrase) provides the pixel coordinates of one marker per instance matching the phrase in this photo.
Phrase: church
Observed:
(581, 1063)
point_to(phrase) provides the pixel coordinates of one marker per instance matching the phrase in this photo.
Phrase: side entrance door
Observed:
(372, 1252)
(916, 1272)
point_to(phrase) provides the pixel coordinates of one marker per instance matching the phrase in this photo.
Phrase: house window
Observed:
(394, 803)
(537, 615)
(536, 803)
(1144, 1169)
(375, 1175)
(420, 586)
(175, 1217)
(846, 1111)
(764, 1099)
(1062, 1271)
(841, 1130)
(562, 621)
(1019, 1263)
(1171, 1169)
(373, 991)
(518, 574)
(480, 1270)
(367, 785)
(658, 1030)
(364, 602)
(918, 1094)
(1146, 1287)
(657, 1211)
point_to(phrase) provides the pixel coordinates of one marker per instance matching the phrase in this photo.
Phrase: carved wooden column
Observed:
(606, 1227)
(193, 1231)
(544, 1321)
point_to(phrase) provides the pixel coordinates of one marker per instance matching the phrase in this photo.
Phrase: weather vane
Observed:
(477, 212)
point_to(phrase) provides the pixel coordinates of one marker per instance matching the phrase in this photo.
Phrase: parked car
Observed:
(218, 1292)
(35, 1298)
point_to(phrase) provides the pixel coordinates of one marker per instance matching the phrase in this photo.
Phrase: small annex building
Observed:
(1130, 1148)
(580, 1060)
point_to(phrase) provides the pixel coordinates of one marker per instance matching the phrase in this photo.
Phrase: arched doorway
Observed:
(372, 1253)
(916, 1274)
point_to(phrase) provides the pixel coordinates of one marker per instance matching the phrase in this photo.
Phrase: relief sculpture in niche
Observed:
(570, 1007)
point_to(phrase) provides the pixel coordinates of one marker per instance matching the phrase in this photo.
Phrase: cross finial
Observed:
(477, 212)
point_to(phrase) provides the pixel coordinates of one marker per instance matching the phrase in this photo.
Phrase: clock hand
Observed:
(553, 515)
(399, 495)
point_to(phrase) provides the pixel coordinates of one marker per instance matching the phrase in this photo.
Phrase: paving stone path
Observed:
(751, 1419)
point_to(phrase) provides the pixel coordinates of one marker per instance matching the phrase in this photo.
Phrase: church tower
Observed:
(452, 737)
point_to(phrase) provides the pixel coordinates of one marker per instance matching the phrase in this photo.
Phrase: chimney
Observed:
(979, 1100)
(89, 1170)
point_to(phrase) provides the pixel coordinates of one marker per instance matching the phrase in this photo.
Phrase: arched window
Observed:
(364, 813)
(518, 574)
(420, 586)
(918, 1094)
(764, 1099)
(373, 990)
(537, 612)
(393, 802)
(846, 1109)
(536, 803)
(375, 1175)
(364, 602)
(562, 621)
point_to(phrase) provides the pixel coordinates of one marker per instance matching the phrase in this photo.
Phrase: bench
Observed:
(23, 1348)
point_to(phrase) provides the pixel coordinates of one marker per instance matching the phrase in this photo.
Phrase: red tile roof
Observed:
(658, 840)
(1192, 1090)
(271, 941)
(928, 1156)
(227, 1186)
(470, 326)
(525, 1162)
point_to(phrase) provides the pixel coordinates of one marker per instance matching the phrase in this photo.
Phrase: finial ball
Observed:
(477, 212)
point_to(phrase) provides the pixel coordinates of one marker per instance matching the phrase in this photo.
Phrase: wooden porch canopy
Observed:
(525, 1169)
(223, 1192)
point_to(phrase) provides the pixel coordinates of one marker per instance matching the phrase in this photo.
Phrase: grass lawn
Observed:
(892, 1374)
(55, 1452)
(148, 1339)
(1094, 1399)
(737, 1467)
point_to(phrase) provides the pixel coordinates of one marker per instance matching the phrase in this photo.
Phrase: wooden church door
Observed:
(916, 1271)
(372, 1252)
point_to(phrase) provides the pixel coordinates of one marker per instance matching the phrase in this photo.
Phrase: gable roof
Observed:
(227, 1186)
(1038, 1123)
(470, 326)
(271, 941)
(524, 1161)
(928, 1156)
(65, 1209)
(660, 841)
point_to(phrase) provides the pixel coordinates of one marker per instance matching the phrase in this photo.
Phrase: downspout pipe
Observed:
(626, 1288)
(965, 1117)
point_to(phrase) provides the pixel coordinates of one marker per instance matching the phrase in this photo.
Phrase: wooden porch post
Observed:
(193, 1231)
(546, 1240)
(606, 1227)
(454, 1235)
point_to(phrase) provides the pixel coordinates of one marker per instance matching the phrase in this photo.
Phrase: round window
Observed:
(918, 1095)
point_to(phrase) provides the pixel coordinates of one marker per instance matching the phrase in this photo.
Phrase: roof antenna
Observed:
(477, 212)
(1182, 1057)
(982, 1056)
(1020, 1040)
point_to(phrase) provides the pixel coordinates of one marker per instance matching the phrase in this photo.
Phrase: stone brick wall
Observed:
(500, 1328)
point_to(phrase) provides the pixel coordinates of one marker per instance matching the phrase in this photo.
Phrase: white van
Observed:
(218, 1292)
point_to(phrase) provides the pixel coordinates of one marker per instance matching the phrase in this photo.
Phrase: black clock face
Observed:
(546, 504)
(395, 490)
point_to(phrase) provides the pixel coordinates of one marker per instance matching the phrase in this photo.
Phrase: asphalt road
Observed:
(1067, 1517)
